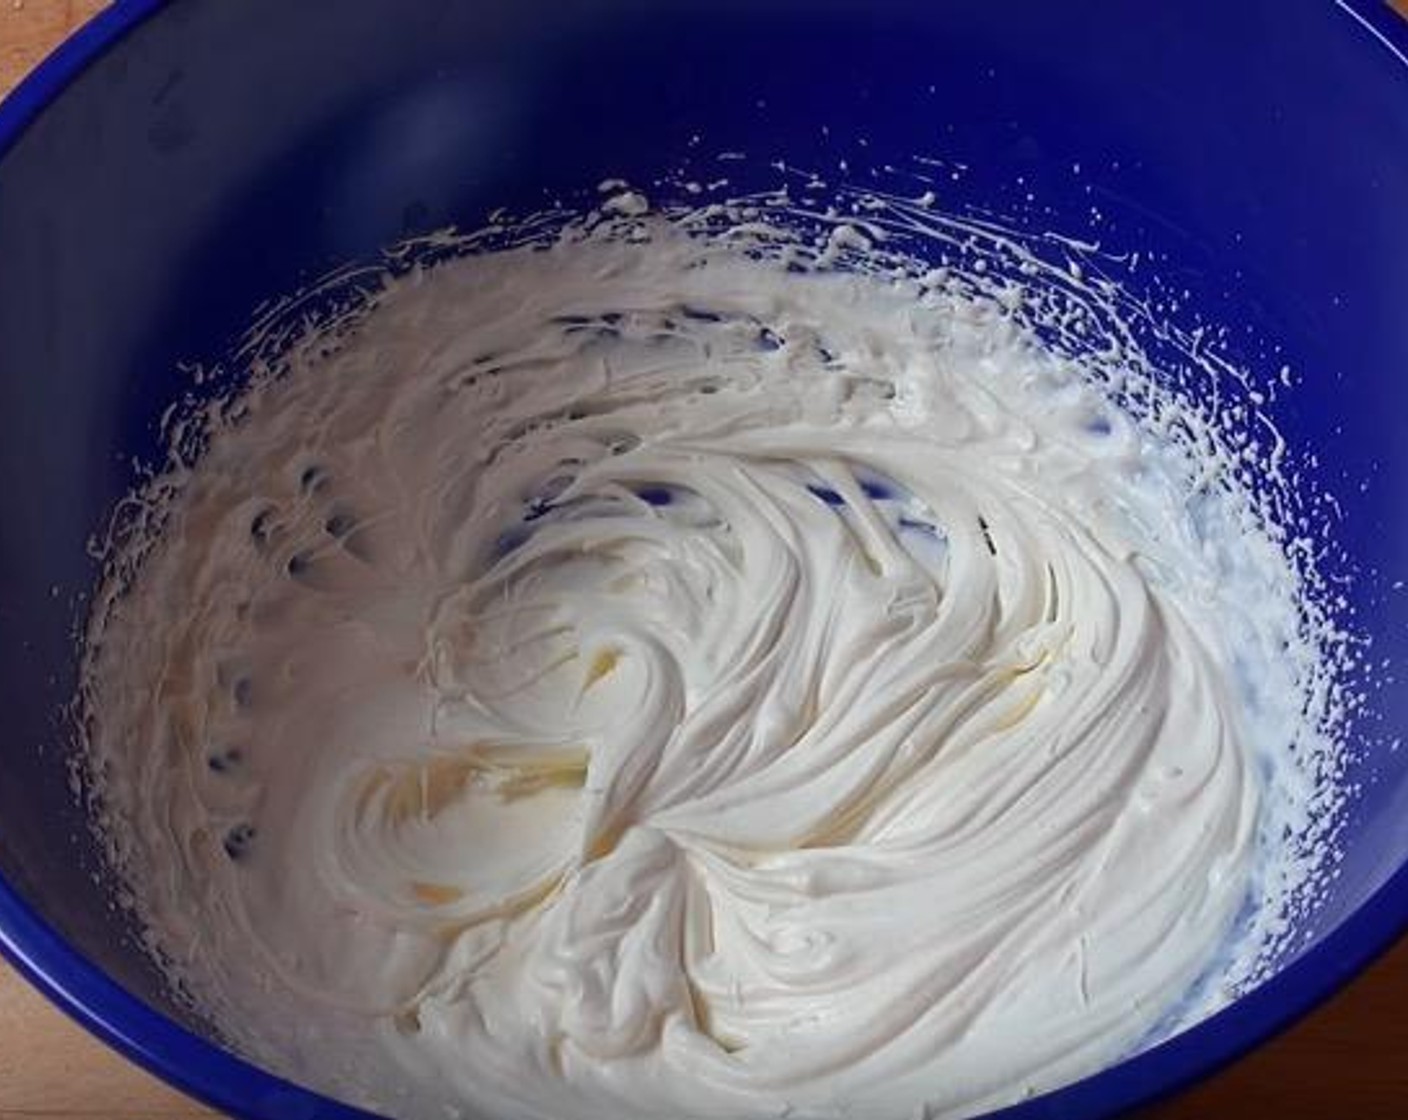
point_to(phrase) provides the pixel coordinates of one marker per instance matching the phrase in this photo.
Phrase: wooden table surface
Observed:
(1349, 1059)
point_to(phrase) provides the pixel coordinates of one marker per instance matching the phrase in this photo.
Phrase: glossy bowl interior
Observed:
(179, 162)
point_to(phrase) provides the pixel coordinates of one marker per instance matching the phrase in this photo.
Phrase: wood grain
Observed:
(29, 29)
(50, 1069)
(1349, 1059)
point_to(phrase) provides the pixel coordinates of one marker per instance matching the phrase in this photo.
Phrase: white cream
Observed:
(632, 680)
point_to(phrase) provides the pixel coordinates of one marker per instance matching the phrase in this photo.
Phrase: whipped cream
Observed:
(630, 678)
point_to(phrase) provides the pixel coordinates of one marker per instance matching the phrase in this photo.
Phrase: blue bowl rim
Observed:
(209, 1073)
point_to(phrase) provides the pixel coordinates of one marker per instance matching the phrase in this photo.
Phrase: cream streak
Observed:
(634, 680)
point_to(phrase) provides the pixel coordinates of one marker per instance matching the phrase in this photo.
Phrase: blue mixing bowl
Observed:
(176, 163)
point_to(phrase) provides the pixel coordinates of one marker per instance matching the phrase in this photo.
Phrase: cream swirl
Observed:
(633, 680)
